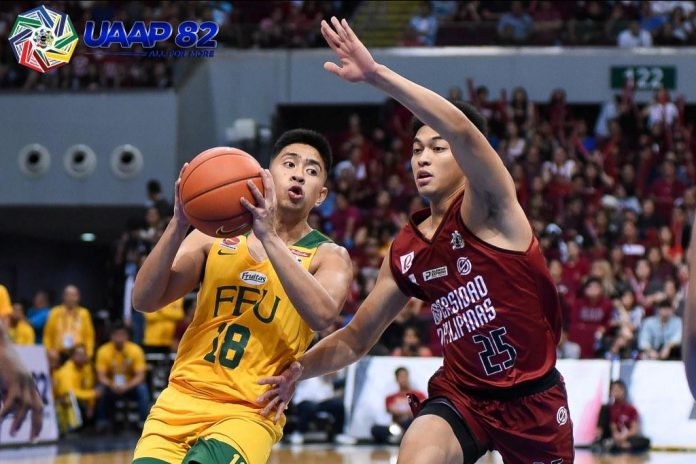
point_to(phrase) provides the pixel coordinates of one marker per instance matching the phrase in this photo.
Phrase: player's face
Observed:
(299, 174)
(435, 170)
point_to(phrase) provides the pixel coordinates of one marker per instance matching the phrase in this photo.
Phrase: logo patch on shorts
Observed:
(562, 415)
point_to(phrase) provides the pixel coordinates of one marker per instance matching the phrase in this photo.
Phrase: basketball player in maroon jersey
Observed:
(472, 256)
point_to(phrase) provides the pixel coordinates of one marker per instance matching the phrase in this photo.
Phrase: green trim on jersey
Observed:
(313, 240)
(212, 451)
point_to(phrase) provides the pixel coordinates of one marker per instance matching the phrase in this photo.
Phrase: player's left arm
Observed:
(490, 184)
(318, 296)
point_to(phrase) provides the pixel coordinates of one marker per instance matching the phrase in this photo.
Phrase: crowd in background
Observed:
(295, 24)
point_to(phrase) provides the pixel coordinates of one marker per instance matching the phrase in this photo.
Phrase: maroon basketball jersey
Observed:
(497, 312)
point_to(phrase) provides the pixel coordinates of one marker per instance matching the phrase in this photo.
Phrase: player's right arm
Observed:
(342, 347)
(173, 267)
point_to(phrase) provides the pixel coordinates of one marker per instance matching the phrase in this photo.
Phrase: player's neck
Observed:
(291, 229)
(439, 207)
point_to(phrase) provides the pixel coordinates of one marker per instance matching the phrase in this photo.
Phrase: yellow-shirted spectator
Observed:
(5, 306)
(21, 332)
(68, 324)
(160, 325)
(121, 371)
(75, 380)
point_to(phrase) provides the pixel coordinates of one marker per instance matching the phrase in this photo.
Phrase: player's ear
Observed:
(322, 196)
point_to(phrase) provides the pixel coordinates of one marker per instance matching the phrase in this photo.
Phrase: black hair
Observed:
(620, 383)
(665, 304)
(399, 370)
(153, 186)
(308, 137)
(469, 111)
(592, 280)
(119, 325)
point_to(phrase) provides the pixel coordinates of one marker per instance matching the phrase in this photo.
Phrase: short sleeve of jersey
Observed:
(408, 287)
(103, 355)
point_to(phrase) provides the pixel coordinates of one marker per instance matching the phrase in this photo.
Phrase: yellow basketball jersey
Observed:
(244, 327)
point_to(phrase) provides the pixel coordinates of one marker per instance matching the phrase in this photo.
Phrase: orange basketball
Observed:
(211, 187)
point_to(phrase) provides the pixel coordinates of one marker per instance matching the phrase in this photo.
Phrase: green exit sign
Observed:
(645, 77)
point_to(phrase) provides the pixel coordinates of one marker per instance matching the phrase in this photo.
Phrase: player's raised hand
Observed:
(18, 391)
(178, 210)
(282, 388)
(357, 64)
(264, 211)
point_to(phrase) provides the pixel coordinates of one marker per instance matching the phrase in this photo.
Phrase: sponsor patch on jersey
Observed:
(457, 241)
(464, 265)
(407, 261)
(562, 415)
(436, 273)
(253, 277)
(230, 243)
(302, 254)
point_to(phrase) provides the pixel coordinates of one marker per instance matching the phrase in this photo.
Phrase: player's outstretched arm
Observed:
(17, 390)
(173, 267)
(341, 348)
(689, 327)
(489, 181)
(317, 296)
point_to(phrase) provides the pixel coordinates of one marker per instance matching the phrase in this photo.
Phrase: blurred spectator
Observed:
(661, 335)
(548, 23)
(397, 405)
(5, 306)
(160, 327)
(156, 199)
(634, 37)
(317, 397)
(515, 26)
(567, 349)
(589, 318)
(21, 332)
(618, 424)
(68, 324)
(411, 345)
(424, 24)
(121, 368)
(662, 110)
(74, 381)
(37, 315)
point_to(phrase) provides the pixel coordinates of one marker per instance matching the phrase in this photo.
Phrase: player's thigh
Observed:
(238, 440)
(430, 440)
(158, 447)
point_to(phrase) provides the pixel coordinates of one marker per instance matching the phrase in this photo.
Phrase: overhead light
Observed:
(88, 237)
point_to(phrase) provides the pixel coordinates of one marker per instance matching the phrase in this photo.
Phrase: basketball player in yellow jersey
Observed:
(261, 298)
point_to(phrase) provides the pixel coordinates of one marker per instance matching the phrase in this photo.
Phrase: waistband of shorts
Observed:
(552, 378)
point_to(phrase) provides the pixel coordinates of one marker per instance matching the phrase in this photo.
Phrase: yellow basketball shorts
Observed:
(185, 429)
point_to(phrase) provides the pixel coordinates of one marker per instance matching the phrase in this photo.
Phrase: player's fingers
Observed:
(36, 417)
(349, 32)
(183, 168)
(330, 35)
(20, 413)
(267, 395)
(332, 68)
(275, 380)
(247, 204)
(282, 406)
(260, 200)
(339, 29)
(269, 407)
(268, 187)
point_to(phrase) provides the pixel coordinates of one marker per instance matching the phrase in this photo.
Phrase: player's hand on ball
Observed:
(282, 388)
(19, 394)
(178, 210)
(357, 64)
(264, 212)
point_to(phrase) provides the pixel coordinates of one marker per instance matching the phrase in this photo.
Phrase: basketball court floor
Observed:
(307, 454)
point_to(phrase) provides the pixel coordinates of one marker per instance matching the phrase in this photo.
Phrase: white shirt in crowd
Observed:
(628, 40)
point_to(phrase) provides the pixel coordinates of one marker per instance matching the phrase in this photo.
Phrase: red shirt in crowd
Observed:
(586, 318)
(622, 415)
(399, 400)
